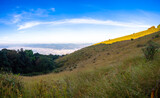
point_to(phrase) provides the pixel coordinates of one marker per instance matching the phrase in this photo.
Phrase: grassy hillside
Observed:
(105, 54)
(134, 77)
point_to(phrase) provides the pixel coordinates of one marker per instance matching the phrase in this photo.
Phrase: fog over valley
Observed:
(55, 49)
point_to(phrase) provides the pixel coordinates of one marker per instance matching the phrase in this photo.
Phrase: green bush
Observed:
(150, 50)
(10, 86)
(157, 36)
(132, 39)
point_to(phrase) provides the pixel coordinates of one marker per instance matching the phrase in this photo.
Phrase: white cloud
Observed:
(83, 21)
(28, 25)
(53, 9)
(25, 16)
(16, 18)
(13, 20)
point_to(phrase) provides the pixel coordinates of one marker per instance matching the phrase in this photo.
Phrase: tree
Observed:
(26, 62)
(4, 62)
(44, 64)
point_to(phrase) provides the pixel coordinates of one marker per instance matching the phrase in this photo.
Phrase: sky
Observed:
(74, 21)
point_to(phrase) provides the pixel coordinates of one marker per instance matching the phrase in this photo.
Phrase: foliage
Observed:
(150, 50)
(10, 86)
(157, 36)
(44, 64)
(26, 62)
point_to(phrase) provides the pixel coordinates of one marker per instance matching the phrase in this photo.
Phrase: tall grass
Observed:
(134, 78)
(10, 86)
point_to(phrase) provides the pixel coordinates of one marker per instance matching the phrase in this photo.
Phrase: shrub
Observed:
(10, 86)
(157, 36)
(150, 50)
(132, 39)
(140, 45)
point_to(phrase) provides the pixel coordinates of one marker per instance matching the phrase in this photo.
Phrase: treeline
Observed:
(26, 62)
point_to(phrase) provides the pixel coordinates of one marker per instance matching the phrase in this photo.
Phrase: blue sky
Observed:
(74, 21)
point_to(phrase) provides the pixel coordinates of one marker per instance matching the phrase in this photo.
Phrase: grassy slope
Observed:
(134, 78)
(117, 70)
(103, 54)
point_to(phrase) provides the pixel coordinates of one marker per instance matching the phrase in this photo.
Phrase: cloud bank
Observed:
(81, 21)
(45, 51)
